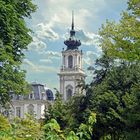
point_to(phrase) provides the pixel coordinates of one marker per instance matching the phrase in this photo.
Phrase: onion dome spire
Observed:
(72, 26)
(72, 32)
(72, 43)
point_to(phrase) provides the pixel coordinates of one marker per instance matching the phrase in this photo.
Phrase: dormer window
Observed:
(31, 96)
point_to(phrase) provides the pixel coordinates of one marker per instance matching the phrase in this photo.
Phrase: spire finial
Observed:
(72, 20)
(72, 43)
(72, 31)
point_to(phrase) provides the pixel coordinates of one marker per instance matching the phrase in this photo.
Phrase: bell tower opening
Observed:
(70, 61)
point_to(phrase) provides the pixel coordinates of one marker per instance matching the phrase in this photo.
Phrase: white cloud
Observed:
(59, 11)
(90, 57)
(88, 38)
(87, 13)
(51, 54)
(44, 31)
(35, 68)
(48, 61)
(31, 65)
(37, 45)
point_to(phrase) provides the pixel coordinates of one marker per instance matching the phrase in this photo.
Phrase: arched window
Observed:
(70, 61)
(31, 109)
(69, 90)
(69, 93)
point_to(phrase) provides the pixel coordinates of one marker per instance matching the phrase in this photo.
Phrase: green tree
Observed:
(27, 129)
(5, 128)
(53, 130)
(30, 129)
(122, 40)
(20, 129)
(70, 114)
(114, 96)
(114, 92)
(14, 38)
(77, 112)
(57, 111)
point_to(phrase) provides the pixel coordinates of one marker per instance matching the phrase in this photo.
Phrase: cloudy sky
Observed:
(51, 24)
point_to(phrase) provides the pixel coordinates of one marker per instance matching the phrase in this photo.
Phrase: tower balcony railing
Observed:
(74, 69)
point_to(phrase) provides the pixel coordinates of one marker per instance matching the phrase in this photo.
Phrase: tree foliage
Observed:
(122, 40)
(57, 111)
(20, 129)
(30, 129)
(114, 92)
(14, 38)
(113, 97)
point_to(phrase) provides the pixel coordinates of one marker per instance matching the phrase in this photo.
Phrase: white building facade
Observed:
(71, 72)
(33, 107)
(34, 103)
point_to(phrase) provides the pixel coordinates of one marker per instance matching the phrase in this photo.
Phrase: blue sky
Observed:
(51, 24)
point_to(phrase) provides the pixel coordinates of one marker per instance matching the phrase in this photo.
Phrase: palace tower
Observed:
(71, 71)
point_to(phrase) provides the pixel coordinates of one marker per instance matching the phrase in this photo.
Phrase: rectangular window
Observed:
(31, 96)
(18, 111)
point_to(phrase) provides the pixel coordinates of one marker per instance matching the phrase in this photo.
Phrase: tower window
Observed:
(70, 61)
(69, 90)
(69, 93)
